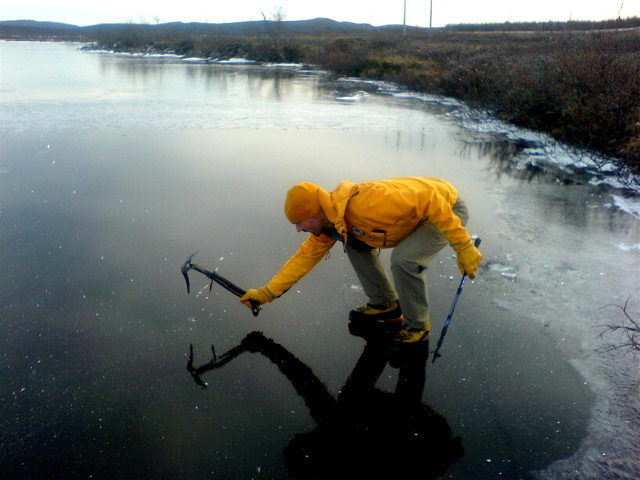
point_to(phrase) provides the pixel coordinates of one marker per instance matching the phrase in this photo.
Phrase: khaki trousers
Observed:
(409, 262)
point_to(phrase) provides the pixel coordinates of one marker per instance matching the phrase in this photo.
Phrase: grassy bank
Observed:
(582, 87)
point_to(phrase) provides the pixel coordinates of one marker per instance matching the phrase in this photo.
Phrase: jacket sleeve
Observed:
(308, 255)
(435, 209)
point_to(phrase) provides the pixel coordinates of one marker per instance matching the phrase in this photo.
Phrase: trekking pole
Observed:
(476, 243)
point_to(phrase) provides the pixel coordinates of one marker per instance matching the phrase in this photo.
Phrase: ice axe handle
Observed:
(239, 292)
(220, 280)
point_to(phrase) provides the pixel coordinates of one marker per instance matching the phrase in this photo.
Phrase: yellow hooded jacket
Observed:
(381, 214)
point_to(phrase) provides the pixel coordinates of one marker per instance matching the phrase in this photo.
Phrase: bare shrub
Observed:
(629, 332)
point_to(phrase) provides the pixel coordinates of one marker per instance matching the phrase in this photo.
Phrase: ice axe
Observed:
(476, 243)
(219, 279)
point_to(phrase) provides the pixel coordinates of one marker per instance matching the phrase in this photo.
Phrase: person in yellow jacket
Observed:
(416, 216)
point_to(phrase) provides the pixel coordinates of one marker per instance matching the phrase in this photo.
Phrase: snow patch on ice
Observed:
(355, 97)
(627, 248)
(236, 61)
(285, 65)
(628, 205)
(195, 60)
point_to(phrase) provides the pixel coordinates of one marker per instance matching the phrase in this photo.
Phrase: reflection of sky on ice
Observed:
(93, 184)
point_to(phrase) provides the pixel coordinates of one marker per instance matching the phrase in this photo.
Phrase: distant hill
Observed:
(35, 30)
(33, 24)
(29, 29)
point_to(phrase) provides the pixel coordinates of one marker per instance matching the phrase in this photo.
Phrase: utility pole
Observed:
(620, 11)
(404, 19)
(430, 13)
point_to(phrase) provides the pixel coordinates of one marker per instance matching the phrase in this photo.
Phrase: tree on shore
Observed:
(274, 22)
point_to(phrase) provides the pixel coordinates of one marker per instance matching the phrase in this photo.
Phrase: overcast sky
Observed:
(375, 12)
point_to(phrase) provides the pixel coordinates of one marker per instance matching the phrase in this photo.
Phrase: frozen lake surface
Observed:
(114, 169)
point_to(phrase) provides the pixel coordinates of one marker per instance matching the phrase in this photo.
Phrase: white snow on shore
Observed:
(236, 61)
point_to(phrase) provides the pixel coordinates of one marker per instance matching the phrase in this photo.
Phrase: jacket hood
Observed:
(334, 204)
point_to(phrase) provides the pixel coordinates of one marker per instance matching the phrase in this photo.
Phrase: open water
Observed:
(114, 169)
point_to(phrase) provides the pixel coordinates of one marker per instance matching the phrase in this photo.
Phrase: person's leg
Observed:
(409, 263)
(372, 275)
(382, 305)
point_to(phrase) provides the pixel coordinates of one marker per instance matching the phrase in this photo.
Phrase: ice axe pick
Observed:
(219, 279)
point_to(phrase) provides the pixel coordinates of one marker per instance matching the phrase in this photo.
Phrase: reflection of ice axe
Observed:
(476, 242)
(220, 280)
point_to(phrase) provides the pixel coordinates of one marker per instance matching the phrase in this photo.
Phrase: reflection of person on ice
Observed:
(358, 432)
(416, 216)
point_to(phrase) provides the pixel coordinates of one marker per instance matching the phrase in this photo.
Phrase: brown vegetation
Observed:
(582, 88)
